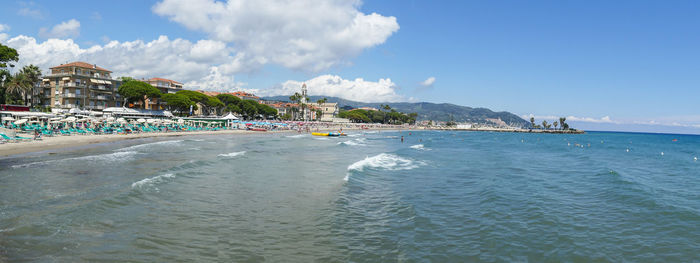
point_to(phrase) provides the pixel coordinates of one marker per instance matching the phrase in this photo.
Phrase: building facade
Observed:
(165, 86)
(329, 110)
(79, 85)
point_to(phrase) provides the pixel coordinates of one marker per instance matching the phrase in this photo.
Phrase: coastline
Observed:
(75, 141)
(65, 142)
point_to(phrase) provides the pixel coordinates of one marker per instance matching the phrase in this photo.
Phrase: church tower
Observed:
(303, 93)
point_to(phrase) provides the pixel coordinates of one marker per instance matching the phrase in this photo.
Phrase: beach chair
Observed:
(8, 138)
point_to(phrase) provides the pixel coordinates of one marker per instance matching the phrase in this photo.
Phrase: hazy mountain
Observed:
(431, 111)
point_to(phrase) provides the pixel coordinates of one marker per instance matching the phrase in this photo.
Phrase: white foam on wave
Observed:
(385, 161)
(354, 135)
(355, 142)
(110, 157)
(139, 146)
(419, 147)
(152, 180)
(233, 154)
(321, 138)
(296, 136)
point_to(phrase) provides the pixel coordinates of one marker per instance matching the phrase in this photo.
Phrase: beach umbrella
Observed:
(141, 120)
(20, 121)
(8, 118)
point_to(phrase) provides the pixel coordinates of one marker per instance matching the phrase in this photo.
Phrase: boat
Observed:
(332, 134)
(258, 129)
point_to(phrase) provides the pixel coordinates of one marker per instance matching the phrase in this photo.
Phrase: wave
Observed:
(296, 136)
(355, 142)
(384, 161)
(111, 157)
(139, 146)
(419, 147)
(321, 138)
(152, 180)
(233, 154)
(354, 135)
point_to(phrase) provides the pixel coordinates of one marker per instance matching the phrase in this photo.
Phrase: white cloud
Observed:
(70, 28)
(307, 35)
(539, 118)
(176, 59)
(216, 81)
(383, 90)
(605, 119)
(4, 36)
(428, 82)
(29, 12)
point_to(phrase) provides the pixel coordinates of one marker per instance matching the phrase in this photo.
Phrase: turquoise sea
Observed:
(436, 197)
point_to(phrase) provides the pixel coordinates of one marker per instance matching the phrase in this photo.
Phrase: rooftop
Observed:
(162, 79)
(81, 64)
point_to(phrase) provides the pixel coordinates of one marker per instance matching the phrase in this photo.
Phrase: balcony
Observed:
(102, 97)
(100, 87)
(72, 95)
(75, 84)
(69, 106)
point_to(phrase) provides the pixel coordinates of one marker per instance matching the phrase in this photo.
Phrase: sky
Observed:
(605, 65)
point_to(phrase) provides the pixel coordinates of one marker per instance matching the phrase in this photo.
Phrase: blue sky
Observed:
(613, 65)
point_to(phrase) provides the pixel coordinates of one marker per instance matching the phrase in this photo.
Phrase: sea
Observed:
(438, 196)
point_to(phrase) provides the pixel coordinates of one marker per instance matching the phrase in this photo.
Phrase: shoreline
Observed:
(46, 144)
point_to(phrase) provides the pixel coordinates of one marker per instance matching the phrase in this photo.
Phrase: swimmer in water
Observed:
(401, 139)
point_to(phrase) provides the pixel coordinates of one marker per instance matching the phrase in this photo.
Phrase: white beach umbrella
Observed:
(8, 118)
(141, 120)
(20, 121)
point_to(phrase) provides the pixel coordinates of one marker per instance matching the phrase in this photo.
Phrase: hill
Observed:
(431, 111)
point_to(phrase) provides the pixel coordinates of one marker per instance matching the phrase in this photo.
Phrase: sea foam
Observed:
(110, 157)
(296, 136)
(161, 143)
(355, 142)
(385, 161)
(152, 180)
(419, 147)
(231, 155)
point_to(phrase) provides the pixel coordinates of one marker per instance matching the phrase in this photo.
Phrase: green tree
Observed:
(233, 108)
(229, 99)
(16, 86)
(250, 108)
(8, 56)
(215, 104)
(563, 124)
(138, 91)
(177, 102)
(544, 124)
(33, 74)
(555, 124)
(532, 122)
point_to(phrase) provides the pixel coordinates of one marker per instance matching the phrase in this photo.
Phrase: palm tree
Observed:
(555, 124)
(562, 121)
(33, 73)
(532, 121)
(18, 84)
(544, 124)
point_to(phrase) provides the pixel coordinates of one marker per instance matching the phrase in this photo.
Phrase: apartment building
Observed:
(329, 110)
(165, 86)
(79, 85)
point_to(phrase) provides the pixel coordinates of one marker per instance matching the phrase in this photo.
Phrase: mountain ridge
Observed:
(430, 111)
